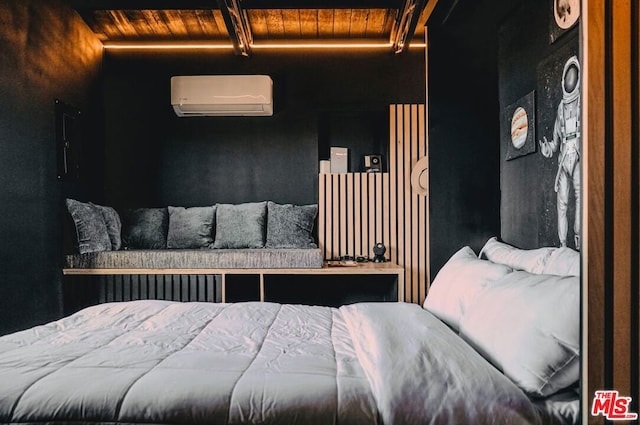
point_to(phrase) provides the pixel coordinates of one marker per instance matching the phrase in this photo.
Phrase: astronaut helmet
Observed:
(571, 79)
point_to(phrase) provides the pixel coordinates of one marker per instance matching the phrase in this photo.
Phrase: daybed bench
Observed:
(249, 238)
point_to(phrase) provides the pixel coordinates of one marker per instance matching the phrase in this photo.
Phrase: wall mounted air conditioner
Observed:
(222, 95)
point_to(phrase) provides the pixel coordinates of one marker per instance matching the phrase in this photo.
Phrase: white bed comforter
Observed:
(158, 362)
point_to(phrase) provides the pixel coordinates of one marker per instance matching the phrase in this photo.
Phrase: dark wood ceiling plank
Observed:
(103, 26)
(139, 21)
(342, 23)
(275, 24)
(258, 23)
(88, 5)
(324, 4)
(359, 21)
(309, 23)
(121, 20)
(142, 4)
(291, 23)
(208, 24)
(156, 21)
(217, 15)
(173, 20)
(326, 20)
(375, 23)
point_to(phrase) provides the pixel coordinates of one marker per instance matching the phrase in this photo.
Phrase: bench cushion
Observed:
(198, 258)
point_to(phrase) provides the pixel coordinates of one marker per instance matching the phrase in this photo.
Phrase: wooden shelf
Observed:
(367, 268)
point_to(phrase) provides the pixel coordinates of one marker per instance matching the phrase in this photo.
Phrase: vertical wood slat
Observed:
(380, 207)
(393, 186)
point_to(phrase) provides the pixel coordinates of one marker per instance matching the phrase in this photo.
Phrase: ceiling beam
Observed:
(404, 27)
(237, 23)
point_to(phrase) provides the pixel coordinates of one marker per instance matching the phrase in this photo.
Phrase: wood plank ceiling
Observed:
(247, 22)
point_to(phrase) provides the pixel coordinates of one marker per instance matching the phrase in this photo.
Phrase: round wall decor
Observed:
(420, 177)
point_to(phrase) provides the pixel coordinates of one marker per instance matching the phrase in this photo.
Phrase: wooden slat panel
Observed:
(322, 219)
(364, 215)
(359, 248)
(380, 207)
(386, 236)
(335, 245)
(350, 218)
(393, 179)
(344, 223)
(373, 207)
(422, 228)
(406, 176)
(415, 199)
(400, 205)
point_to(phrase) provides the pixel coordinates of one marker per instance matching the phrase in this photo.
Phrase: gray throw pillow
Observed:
(190, 227)
(114, 225)
(241, 225)
(91, 230)
(290, 226)
(146, 228)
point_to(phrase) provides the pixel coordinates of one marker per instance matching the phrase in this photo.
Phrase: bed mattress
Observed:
(198, 258)
(161, 362)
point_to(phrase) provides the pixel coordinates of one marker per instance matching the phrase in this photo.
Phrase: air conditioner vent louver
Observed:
(222, 95)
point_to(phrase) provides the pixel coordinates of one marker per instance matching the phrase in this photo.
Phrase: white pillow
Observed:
(529, 260)
(457, 284)
(563, 262)
(528, 326)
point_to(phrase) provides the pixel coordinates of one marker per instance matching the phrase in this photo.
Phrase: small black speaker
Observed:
(373, 163)
(378, 251)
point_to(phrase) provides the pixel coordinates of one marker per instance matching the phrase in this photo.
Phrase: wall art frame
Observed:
(518, 126)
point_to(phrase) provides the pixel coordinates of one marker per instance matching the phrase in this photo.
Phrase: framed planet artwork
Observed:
(517, 127)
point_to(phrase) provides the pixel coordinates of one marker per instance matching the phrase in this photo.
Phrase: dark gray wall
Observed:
(156, 158)
(528, 208)
(463, 126)
(46, 53)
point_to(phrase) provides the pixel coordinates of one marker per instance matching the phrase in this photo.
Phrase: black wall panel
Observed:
(154, 157)
(463, 127)
(46, 53)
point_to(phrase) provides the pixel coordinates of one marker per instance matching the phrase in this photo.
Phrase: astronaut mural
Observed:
(561, 140)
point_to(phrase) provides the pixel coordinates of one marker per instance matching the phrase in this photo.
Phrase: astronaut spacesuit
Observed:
(567, 139)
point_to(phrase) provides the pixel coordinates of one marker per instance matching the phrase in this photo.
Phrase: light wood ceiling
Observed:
(262, 21)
